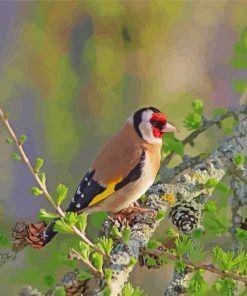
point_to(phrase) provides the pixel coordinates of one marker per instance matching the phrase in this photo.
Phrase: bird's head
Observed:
(150, 124)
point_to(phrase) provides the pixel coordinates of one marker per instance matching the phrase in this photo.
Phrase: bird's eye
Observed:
(157, 124)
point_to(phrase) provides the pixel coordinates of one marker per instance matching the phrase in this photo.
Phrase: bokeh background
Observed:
(72, 72)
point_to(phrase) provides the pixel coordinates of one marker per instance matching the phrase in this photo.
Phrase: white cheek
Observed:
(147, 133)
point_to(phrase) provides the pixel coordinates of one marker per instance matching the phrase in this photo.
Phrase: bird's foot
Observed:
(130, 213)
(134, 204)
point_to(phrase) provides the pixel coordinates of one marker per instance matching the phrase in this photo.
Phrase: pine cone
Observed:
(19, 231)
(185, 216)
(35, 234)
(77, 289)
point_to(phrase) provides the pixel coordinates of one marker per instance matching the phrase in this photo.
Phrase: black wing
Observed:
(86, 191)
(134, 174)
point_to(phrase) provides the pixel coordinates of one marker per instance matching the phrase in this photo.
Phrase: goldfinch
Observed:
(124, 169)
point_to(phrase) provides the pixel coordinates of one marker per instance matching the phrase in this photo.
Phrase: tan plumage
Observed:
(122, 154)
(124, 169)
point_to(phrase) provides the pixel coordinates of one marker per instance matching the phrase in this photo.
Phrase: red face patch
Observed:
(158, 121)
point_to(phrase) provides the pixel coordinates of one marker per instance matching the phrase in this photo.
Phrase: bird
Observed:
(123, 170)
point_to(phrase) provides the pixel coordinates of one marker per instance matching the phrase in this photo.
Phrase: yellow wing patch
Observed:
(109, 190)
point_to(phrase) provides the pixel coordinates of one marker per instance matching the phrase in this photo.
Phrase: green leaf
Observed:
(71, 218)
(126, 232)
(22, 139)
(241, 235)
(42, 178)
(128, 290)
(3, 239)
(59, 291)
(223, 187)
(133, 261)
(15, 156)
(84, 275)
(47, 216)
(82, 221)
(107, 291)
(62, 227)
(49, 280)
(151, 262)
(108, 274)
(239, 159)
(66, 261)
(105, 244)
(39, 164)
(36, 191)
(196, 253)
(160, 215)
(193, 121)
(239, 85)
(62, 192)
(210, 206)
(179, 266)
(178, 147)
(216, 222)
(97, 261)
(9, 141)
(115, 232)
(211, 183)
(172, 144)
(84, 249)
(225, 286)
(197, 283)
(183, 245)
(172, 232)
(198, 106)
(197, 233)
(153, 244)
(228, 261)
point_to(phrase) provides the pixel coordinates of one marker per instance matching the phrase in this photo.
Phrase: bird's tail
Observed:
(49, 232)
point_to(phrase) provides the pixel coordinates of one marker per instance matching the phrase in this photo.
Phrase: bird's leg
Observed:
(132, 212)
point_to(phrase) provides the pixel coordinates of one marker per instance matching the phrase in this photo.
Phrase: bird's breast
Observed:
(134, 190)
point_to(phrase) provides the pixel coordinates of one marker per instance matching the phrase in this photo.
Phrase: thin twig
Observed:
(42, 186)
(206, 125)
(73, 254)
(196, 266)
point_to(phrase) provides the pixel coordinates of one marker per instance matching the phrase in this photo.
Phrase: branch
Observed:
(196, 266)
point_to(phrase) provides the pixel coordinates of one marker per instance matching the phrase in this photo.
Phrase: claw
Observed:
(130, 213)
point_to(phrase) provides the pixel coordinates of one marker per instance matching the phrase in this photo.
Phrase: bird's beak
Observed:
(169, 128)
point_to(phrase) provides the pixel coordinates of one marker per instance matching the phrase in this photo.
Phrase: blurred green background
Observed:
(72, 72)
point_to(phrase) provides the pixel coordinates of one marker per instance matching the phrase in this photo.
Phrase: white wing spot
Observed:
(78, 190)
(82, 195)
(89, 183)
(86, 179)
(73, 199)
(78, 206)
